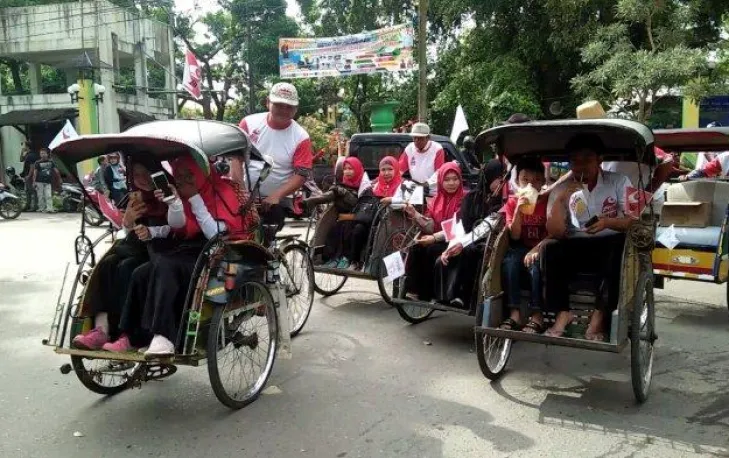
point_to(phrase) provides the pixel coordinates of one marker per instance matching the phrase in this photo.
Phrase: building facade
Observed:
(68, 36)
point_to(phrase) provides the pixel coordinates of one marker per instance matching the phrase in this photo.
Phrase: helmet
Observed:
(10, 171)
(469, 142)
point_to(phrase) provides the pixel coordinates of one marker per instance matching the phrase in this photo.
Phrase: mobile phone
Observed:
(592, 221)
(161, 183)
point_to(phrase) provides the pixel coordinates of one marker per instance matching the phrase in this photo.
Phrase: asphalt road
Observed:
(363, 383)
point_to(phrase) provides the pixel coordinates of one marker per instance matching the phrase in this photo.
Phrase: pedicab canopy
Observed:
(693, 140)
(624, 140)
(165, 140)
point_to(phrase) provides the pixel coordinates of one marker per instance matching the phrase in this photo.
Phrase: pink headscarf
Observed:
(356, 180)
(383, 188)
(445, 206)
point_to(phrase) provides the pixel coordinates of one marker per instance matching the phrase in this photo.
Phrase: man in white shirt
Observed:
(423, 157)
(276, 134)
(586, 219)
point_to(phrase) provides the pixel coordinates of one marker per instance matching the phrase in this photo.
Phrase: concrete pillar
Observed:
(109, 116)
(34, 74)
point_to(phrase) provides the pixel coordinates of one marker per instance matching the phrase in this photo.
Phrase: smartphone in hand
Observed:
(161, 183)
(592, 221)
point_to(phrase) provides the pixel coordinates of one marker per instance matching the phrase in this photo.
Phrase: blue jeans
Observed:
(513, 271)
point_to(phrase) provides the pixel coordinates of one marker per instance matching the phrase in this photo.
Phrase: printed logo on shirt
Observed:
(412, 161)
(578, 206)
(255, 135)
(610, 207)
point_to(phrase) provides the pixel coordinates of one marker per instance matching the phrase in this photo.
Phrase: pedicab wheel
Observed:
(103, 376)
(642, 336)
(413, 314)
(10, 208)
(395, 242)
(328, 284)
(297, 277)
(242, 344)
(493, 354)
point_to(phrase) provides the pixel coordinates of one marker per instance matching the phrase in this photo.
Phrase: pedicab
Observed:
(694, 215)
(624, 141)
(237, 315)
(391, 230)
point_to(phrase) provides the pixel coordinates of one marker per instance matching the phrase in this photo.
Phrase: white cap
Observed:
(420, 129)
(284, 93)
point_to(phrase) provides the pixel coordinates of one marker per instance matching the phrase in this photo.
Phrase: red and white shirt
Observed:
(719, 166)
(290, 149)
(422, 164)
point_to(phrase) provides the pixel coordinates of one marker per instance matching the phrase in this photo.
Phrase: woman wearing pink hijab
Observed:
(389, 180)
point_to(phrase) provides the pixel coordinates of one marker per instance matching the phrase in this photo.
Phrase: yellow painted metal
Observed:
(88, 118)
(679, 260)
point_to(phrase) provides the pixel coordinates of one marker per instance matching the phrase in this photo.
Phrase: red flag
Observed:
(636, 201)
(110, 211)
(192, 77)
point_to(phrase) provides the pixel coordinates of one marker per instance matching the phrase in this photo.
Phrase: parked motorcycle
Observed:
(17, 184)
(10, 205)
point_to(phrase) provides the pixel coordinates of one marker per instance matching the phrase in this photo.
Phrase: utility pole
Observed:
(423, 60)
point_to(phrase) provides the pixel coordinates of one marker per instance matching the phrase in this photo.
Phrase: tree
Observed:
(643, 56)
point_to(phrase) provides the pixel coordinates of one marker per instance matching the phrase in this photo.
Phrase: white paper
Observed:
(668, 238)
(416, 198)
(394, 265)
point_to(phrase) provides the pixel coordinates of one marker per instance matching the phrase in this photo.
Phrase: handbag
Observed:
(366, 209)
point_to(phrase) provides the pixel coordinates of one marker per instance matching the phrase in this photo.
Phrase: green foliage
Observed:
(633, 69)
(318, 131)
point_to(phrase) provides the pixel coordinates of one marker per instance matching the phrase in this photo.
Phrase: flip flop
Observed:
(598, 336)
(532, 327)
(551, 333)
(512, 325)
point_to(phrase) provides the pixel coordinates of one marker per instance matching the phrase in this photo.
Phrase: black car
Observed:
(370, 148)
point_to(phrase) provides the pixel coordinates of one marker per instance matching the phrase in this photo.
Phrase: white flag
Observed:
(67, 133)
(459, 124)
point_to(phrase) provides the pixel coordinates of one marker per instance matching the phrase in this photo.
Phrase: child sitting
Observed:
(526, 221)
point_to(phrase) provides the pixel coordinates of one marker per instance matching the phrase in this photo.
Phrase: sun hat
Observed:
(420, 129)
(284, 93)
(591, 109)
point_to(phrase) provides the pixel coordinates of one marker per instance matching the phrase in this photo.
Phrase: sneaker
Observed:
(121, 345)
(343, 263)
(160, 346)
(92, 340)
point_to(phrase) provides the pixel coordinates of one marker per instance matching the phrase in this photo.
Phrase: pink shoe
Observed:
(92, 340)
(121, 345)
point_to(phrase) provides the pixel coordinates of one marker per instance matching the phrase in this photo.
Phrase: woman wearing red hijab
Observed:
(203, 207)
(389, 180)
(348, 237)
(423, 256)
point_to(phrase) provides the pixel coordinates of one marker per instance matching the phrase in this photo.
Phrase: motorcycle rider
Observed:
(275, 133)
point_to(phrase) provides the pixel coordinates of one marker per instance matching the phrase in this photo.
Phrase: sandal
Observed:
(552, 333)
(532, 327)
(597, 336)
(509, 325)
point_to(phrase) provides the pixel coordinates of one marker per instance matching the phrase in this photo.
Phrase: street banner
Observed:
(383, 50)
(192, 76)
(66, 133)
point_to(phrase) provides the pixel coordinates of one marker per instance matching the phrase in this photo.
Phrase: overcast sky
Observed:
(207, 5)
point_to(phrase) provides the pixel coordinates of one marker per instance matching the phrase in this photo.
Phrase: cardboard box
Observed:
(686, 214)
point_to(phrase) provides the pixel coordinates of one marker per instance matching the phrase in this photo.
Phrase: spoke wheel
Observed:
(642, 337)
(297, 277)
(103, 376)
(395, 242)
(411, 313)
(493, 354)
(242, 345)
(11, 208)
(328, 284)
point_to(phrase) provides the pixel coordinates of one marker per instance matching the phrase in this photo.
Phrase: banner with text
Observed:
(383, 50)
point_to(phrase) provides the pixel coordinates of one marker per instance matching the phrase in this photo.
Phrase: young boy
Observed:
(527, 225)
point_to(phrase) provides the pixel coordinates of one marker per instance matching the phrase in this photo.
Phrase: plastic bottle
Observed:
(614, 327)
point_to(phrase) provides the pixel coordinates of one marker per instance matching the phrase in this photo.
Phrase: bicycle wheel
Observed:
(297, 277)
(642, 336)
(395, 242)
(103, 376)
(242, 338)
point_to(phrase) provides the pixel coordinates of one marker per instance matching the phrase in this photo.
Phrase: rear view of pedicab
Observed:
(624, 141)
(693, 243)
(390, 230)
(236, 313)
